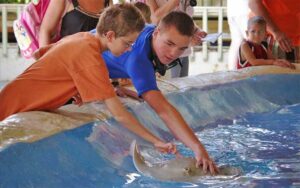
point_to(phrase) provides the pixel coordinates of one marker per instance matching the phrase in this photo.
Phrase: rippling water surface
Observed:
(265, 146)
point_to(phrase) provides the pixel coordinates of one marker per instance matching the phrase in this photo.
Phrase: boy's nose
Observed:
(174, 53)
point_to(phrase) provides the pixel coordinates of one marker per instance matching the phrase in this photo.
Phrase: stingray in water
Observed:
(179, 169)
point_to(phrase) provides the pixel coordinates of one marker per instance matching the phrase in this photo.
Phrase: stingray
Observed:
(179, 169)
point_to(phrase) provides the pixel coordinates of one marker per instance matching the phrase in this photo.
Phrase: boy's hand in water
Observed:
(165, 147)
(205, 161)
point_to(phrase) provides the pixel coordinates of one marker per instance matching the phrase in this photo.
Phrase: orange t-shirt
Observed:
(286, 15)
(70, 66)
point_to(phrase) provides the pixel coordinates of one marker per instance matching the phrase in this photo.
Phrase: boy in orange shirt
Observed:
(74, 67)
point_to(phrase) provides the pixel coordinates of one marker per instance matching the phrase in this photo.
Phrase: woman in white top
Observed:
(237, 14)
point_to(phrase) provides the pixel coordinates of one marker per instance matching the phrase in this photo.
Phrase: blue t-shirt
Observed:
(135, 64)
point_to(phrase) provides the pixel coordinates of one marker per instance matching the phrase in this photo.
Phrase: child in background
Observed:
(145, 10)
(119, 83)
(254, 51)
(73, 67)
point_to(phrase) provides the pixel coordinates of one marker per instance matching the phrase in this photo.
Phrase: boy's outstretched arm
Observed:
(179, 128)
(119, 112)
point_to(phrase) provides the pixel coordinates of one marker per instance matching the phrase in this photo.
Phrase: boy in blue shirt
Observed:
(154, 49)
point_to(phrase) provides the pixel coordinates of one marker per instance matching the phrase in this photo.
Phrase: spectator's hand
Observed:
(285, 43)
(77, 100)
(284, 63)
(165, 147)
(124, 92)
(197, 38)
(204, 160)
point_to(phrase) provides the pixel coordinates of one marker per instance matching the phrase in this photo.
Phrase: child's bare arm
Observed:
(131, 123)
(284, 63)
(248, 55)
(270, 54)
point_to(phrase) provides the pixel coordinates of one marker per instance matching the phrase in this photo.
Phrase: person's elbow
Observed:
(44, 37)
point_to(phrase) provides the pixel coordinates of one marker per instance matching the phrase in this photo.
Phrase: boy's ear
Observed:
(155, 33)
(110, 35)
(247, 33)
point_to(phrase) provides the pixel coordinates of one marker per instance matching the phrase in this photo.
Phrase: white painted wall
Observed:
(12, 64)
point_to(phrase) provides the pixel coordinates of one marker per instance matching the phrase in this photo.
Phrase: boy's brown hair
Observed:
(145, 10)
(180, 20)
(122, 18)
(256, 20)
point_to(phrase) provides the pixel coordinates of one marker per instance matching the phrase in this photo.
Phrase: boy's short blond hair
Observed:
(122, 18)
(145, 10)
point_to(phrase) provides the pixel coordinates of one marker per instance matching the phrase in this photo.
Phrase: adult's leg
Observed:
(175, 71)
(179, 71)
(185, 66)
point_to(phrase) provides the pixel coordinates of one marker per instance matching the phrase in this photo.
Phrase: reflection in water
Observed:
(265, 146)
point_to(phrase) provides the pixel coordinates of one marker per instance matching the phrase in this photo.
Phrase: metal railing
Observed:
(212, 2)
(219, 13)
(203, 12)
(6, 23)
